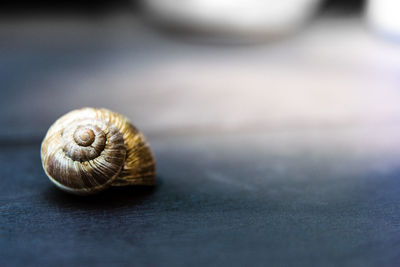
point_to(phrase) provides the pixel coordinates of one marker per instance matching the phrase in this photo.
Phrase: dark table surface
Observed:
(251, 172)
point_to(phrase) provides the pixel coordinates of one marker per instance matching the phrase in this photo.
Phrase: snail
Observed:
(88, 150)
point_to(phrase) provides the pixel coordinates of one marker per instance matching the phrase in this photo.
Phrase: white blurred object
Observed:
(233, 16)
(384, 16)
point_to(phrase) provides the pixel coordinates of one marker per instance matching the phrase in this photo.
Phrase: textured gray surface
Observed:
(284, 155)
(283, 199)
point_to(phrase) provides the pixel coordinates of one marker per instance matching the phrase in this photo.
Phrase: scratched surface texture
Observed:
(278, 154)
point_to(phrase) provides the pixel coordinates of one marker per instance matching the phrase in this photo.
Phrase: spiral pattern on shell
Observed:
(88, 150)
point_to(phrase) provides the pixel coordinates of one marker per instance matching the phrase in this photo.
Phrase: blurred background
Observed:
(275, 127)
(201, 65)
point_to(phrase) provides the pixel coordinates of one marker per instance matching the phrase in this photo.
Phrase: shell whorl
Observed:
(89, 149)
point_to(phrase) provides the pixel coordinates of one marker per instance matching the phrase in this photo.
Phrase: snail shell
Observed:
(90, 149)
